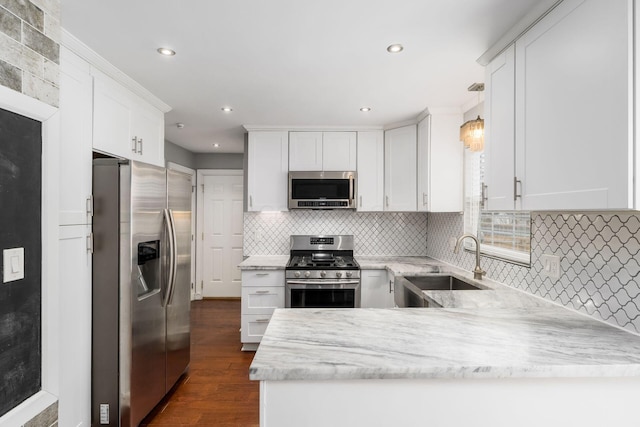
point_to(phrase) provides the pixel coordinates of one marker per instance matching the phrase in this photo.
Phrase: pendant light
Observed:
(472, 132)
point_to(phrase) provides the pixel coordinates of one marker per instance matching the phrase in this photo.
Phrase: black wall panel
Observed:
(20, 226)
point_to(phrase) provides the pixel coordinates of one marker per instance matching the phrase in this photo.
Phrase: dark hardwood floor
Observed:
(216, 391)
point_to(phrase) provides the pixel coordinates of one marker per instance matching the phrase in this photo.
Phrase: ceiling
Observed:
(293, 62)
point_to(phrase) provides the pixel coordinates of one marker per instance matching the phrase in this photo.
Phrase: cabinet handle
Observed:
(140, 146)
(90, 205)
(424, 199)
(483, 195)
(516, 181)
(262, 320)
(134, 144)
(390, 290)
(360, 201)
(262, 274)
(262, 292)
(250, 201)
(387, 200)
(90, 243)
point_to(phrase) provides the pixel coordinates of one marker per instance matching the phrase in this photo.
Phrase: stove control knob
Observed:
(307, 274)
(349, 274)
(339, 274)
(323, 273)
(297, 274)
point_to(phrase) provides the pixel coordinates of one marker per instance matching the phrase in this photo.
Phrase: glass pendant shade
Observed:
(472, 134)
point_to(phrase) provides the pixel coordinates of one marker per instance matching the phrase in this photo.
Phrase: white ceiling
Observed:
(293, 62)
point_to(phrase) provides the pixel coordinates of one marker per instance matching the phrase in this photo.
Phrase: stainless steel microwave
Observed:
(322, 190)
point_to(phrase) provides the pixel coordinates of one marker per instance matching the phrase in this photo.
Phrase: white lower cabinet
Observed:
(262, 292)
(376, 289)
(74, 365)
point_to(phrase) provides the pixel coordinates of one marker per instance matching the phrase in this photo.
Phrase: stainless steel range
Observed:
(322, 273)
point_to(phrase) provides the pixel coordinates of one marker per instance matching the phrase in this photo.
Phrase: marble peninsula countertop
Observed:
(498, 332)
(420, 343)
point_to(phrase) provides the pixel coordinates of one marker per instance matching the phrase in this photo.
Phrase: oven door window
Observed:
(323, 298)
(320, 189)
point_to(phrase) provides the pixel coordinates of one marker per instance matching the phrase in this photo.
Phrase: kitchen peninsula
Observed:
(537, 364)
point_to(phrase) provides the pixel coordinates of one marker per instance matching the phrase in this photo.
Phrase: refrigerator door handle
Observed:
(169, 230)
(174, 257)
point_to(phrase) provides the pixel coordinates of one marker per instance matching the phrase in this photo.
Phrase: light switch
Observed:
(12, 264)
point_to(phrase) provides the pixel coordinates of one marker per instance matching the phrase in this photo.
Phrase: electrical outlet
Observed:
(452, 243)
(104, 413)
(550, 266)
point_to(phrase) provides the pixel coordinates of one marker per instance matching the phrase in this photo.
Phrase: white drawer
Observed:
(263, 278)
(253, 327)
(262, 300)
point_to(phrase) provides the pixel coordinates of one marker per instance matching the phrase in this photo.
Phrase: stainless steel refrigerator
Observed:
(141, 288)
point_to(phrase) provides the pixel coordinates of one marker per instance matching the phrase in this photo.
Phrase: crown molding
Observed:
(96, 61)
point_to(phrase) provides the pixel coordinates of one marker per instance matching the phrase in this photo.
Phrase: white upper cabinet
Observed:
(305, 151)
(317, 151)
(400, 169)
(339, 151)
(440, 162)
(124, 124)
(499, 147)
(267, 171)
(573, 112)
(370, 178)
(75, 139)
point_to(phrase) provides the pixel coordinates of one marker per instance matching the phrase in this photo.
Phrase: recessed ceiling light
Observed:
(227, 109)
(216, 145)
(365, 109)
(166, 51)
(395, 48)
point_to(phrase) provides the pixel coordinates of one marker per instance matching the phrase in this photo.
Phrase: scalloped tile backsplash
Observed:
(599, 268)
(375, 233)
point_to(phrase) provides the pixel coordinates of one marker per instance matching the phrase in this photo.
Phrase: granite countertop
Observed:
(344, 344)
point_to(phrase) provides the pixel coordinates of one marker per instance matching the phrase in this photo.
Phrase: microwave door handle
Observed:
(352, 195)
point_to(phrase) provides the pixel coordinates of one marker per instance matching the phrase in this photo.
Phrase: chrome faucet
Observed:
(477, 272)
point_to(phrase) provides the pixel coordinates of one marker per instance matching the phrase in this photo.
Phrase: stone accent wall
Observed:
(30, 35)
(30, 48)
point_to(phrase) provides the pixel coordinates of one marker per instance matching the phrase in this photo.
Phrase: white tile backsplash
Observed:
(376, 233)
(600, 261)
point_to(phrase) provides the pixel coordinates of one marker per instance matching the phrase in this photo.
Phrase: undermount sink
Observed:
(440, 283)
(409, 288)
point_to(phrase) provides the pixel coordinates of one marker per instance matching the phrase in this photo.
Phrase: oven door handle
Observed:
(322, 282)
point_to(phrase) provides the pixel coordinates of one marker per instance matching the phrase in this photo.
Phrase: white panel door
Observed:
(221, 235)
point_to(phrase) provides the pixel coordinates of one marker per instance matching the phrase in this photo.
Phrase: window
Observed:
(503, 234)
